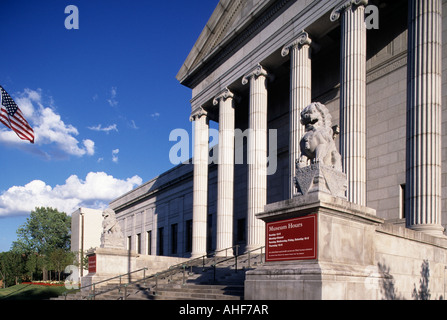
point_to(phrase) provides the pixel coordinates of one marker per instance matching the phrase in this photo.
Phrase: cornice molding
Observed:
(336, 13)
(224, 50)
(301, 40)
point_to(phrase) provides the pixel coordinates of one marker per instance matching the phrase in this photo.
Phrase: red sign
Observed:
(292, 239)
(92, 264)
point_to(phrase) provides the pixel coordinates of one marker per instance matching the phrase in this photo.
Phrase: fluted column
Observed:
(200, 182)
(300, 96)
(225, 171)
(424, 116)
(353, 96)
(257, 155)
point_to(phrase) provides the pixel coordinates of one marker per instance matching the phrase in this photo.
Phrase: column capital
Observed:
(335, 14)
(301, 40)
(224, 94)
(257, 71)
(197, 113)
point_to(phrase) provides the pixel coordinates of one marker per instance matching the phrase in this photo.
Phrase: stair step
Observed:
(202, 283)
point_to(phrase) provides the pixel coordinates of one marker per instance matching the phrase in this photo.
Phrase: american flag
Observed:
(12, 117)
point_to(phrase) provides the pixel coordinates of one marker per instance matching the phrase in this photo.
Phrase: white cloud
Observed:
(155, 115)
(115, 155)
(133, 125)
(95, 191)
(99, 127)
(89, 146)
(112, 101)
(49, 128)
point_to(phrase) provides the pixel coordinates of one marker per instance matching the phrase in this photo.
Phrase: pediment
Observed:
(229, 17)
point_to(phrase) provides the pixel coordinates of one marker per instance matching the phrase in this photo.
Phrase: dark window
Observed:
(209, 234)
(402, 201)
(241, 230)
(188, 236)
(160, 241)
(129, 243)
(149, 242)
(174, 236)
(139, 243)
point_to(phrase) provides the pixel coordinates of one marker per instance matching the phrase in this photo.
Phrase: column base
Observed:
(434, 230)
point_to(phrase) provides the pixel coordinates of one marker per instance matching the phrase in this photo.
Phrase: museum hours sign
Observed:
(292, 239)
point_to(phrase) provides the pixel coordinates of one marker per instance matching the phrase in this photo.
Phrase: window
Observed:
(402, 201)
(129, 243)
(209, 234)
(188, 236)
(174, 236)
(149, 242)
(241, 230)
(139, 243)
(160, 241)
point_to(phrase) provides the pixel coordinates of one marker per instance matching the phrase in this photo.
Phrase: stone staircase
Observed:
(198, 282)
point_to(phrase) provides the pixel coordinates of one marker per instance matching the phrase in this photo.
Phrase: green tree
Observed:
(45, 230)
(58, 259)
(12, 267)
(34, 264)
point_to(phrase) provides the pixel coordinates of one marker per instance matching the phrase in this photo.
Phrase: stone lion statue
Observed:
(112, 236)
(317, 144)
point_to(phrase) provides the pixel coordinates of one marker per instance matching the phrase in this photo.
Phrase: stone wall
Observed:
(412, 264)
(359, 257)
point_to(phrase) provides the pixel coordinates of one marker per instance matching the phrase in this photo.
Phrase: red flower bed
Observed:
(45, 284)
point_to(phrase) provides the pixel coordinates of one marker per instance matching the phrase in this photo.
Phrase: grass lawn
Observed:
(30, 292)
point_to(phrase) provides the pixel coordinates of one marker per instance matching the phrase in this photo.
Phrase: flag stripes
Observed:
(12, 117)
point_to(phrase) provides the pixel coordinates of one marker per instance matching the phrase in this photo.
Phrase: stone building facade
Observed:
(258, 63)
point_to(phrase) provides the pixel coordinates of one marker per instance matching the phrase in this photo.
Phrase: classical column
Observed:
(225, 171)
(257, 155)
(353, 96)
(300, 96)
(424, 115)
(200, 182)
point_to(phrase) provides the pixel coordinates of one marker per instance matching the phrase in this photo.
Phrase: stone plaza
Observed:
(375, 190)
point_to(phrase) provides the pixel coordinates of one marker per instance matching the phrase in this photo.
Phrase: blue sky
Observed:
(102, 99)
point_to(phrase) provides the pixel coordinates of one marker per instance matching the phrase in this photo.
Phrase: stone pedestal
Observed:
(318, 177)
(105, 263)
(344, 265)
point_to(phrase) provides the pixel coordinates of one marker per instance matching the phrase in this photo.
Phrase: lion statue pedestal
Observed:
(111, 258)
(318, 177)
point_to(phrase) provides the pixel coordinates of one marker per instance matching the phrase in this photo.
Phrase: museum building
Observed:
(377, 67)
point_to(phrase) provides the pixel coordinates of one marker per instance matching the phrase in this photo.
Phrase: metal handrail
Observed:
(235, 260)
(107, 280)
(171, 270)
(182, 267)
